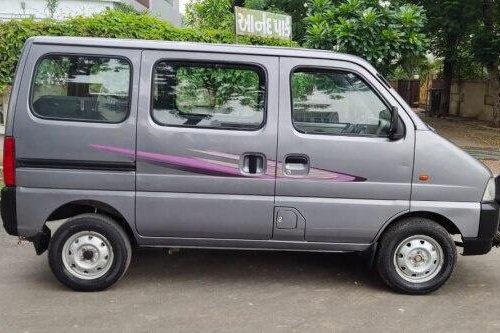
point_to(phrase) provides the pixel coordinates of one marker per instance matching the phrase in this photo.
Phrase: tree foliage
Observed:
(450, 24)
(486, 34)
(385, 33)
(210, 14)
(109, 24)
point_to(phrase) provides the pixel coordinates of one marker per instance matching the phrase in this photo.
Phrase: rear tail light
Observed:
(9, 161)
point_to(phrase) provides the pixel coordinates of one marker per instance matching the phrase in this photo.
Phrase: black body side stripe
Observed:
(40, 163)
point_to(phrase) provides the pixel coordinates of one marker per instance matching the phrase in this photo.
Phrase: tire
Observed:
(416, 256)
(89, 252)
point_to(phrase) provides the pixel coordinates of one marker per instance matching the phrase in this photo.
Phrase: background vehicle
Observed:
(150, 143)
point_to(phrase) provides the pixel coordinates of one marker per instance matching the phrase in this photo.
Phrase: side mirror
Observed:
(395, 132)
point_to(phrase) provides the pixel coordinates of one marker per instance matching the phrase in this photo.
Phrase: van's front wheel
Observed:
(416, 256)
(89, 252)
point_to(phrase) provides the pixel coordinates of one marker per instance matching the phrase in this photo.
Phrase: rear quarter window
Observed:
(81, 88)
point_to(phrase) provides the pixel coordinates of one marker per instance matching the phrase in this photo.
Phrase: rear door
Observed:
(337, 169)
(206, 145)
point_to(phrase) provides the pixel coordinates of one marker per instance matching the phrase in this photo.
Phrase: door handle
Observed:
(253, 163)
(296, 165)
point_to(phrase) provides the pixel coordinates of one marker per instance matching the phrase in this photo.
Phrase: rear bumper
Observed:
(488, 227)
(8, 210)
(9, 217)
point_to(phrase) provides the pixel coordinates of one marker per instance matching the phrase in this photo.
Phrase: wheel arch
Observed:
(438, 218)
(77, 207)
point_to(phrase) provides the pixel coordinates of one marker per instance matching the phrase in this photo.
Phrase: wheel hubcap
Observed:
(418, 258)
(87, 255)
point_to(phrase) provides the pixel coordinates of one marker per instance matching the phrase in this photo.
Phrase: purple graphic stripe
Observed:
(183, 163)
(219, 168)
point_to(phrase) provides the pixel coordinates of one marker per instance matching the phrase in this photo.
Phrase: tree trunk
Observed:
(494, 91)
(448, 68)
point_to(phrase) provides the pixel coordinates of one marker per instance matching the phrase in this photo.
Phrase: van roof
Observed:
(201, 47)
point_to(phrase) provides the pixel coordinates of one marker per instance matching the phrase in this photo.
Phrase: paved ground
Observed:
(466, 132)
(217, 291)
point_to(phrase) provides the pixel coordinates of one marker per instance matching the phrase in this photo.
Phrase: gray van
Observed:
(184, 145)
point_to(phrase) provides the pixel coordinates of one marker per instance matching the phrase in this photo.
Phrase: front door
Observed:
(338, 171)
(206, 145)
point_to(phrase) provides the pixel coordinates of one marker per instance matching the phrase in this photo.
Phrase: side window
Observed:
(337, 103)
(208, 95)
(81, 88)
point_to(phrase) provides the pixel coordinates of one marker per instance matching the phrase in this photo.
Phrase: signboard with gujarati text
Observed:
(263, 24)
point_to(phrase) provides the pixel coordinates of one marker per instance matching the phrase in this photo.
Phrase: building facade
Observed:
(38, 9)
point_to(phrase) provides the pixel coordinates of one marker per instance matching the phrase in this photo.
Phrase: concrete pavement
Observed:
(231, 291)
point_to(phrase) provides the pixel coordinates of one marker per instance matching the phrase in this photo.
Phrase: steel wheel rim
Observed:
(418, 259)
(87, 255)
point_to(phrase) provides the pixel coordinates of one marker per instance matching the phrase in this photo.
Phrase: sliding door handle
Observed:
(253, 164)
(296, 165)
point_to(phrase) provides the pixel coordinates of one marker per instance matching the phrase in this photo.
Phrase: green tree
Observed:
(387, 34)
(210, 14)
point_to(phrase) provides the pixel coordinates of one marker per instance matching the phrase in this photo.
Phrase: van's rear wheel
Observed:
(89, 252)
(416, 256)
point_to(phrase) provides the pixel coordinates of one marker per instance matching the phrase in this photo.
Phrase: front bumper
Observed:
(488, 227)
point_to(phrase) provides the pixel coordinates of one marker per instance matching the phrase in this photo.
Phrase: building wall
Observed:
(38, 8)
(166, 9)
(471, 99)
(9, 9)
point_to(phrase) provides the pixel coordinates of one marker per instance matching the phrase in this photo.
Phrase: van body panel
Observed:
(344, 220)
(181, 191)
(250, 244)
(9, 123)
(465, 215)
(454, 175)
(76, 179)
(34, 205)
(209, 219)
(380, 170)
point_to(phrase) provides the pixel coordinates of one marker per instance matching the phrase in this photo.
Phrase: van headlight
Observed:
(489, 193)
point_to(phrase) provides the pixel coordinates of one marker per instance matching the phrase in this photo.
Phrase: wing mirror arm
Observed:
(395, 132)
